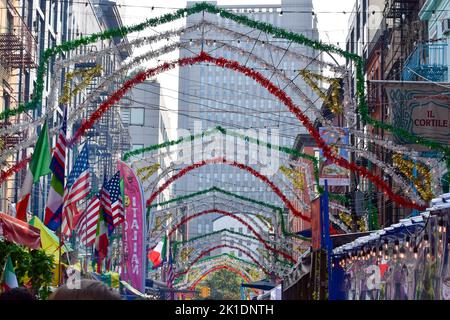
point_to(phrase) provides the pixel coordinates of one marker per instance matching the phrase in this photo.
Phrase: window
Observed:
(137, 146)
(137, 116)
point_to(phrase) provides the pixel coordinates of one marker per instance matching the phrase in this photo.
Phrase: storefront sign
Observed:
(421, 109)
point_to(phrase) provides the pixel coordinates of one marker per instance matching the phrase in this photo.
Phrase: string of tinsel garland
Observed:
(87, 74)
(242, 267)
(206, 252)
(14, 169)
(237, 196)
(227, 255)
(246, 224)
(149, 169)
(423, 180)
(295, 176)
(267, 28)
(332, 102)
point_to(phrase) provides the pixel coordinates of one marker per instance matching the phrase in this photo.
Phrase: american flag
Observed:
(170, 275)
(76, 189)
(87, 225)
(111, 202)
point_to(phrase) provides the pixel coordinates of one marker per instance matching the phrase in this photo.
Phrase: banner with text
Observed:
(422, 109)
(133, 270)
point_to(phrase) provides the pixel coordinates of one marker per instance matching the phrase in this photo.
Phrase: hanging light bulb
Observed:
(380, 251)
(386, 255)
(396, 244)
(394, 254)
(407, 244)
(416, 252)
(190, 42)
(402, 253)
(425, 239)
(386, 244)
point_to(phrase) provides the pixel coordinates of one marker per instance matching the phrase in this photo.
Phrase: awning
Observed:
(49, 240)
(20, 232)
(261, 285)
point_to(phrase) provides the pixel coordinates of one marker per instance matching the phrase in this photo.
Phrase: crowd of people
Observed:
(84, 290)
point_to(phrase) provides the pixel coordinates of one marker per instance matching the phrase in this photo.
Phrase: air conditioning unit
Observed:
(446, 26)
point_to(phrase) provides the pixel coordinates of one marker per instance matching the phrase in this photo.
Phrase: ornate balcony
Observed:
(427, 61)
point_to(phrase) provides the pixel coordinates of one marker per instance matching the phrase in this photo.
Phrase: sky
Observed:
(332, 22)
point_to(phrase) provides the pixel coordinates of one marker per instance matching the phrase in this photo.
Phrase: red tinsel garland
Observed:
(252, 171)
(216, 268)
(229, 214)
(274, 90)
(205, 252)
(14, 169)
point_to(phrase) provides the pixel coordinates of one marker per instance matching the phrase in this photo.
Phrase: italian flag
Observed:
(39, 166)
(101, 240)
(157, 255)
(9, 279)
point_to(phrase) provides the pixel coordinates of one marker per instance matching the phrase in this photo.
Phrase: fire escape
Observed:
(18, 49)
(404, 29)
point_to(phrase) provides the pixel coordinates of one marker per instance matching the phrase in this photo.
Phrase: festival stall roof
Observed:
(403, 227)
(134, 291)
(19, 232)
(261, 285)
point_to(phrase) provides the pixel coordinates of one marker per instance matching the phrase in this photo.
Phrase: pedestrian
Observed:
(19, 293)
(85, 290)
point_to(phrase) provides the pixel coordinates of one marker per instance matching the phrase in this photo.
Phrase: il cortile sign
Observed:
(422, 109)
(133, 231)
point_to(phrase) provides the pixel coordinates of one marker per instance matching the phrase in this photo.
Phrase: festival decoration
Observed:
(87, 75)
(422, 182)
(225, 213)
(221, 62)
(234, 164)
(334, 105)
(149, 169)
(262, 26)
(239, 273)
(295, 176)
(205, 252)
(277, 210)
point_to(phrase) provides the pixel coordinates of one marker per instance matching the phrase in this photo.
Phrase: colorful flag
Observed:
(170, 275)
(101, 241)
(87, 225)
(39, 166)
(157, 255)
(77, 188)
(55, 201)
(111, 202)
(9, 279)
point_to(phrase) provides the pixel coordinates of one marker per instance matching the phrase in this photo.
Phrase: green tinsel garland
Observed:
(265, 27)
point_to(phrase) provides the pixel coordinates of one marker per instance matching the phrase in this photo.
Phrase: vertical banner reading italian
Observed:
(133, 270)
